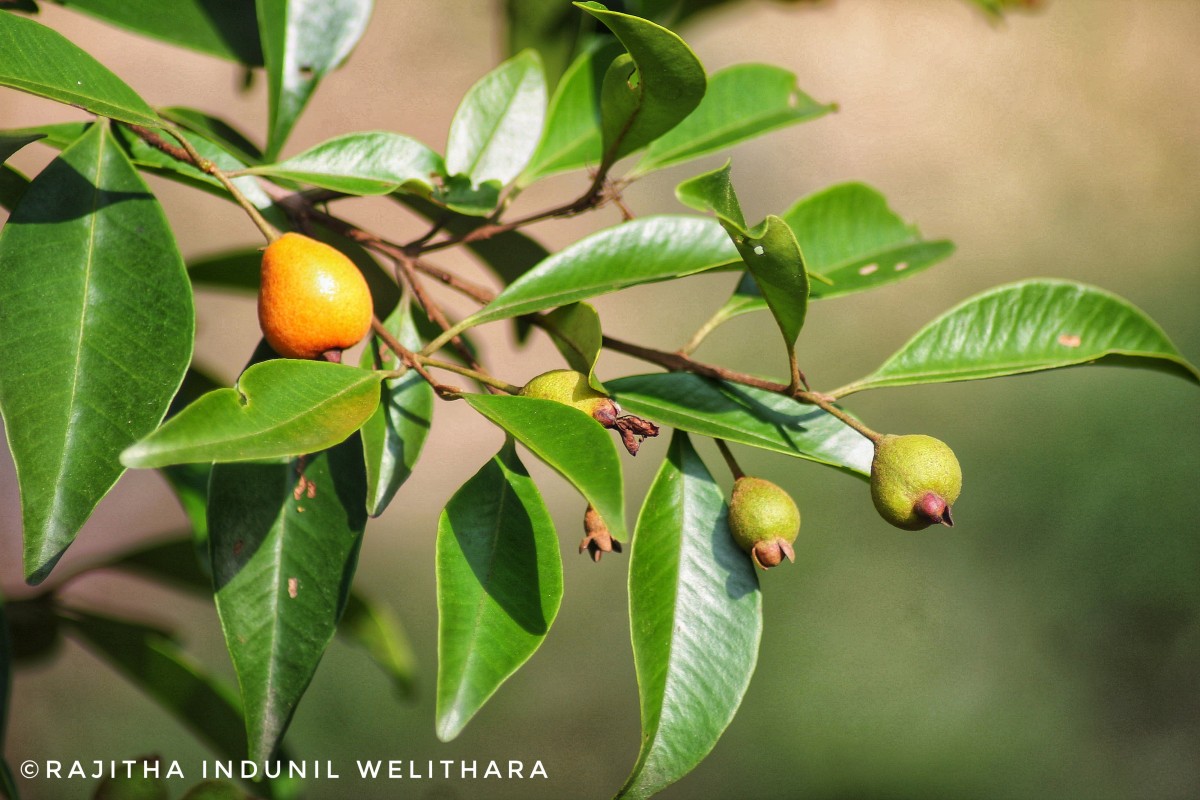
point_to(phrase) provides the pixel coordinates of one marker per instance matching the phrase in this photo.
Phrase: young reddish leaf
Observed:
(695, 612)
(96, 326)
(499, 578)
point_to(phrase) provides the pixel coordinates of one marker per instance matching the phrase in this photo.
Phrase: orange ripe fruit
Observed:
(312, 298)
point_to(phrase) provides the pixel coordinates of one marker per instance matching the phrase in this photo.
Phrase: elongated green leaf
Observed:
(215, 130)
(848, 235)
(746, 415)
(302, 41)
(643, 251)
(577, 335)
(8, 787)
(395, 433)
(568, 440)
(12, 187)
(770, 251)
(1025, 327)
(571, 139)
(41, 61)
(283, 407)
(371, 163)
(742, 102)
(96, 322)
(499, 579)
(223, 29)
(695, 611)
(648, 91)
(374, 628)
(499, 122)
(284, 540)
(58, 135)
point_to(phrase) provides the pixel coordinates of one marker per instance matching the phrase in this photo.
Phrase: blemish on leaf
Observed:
(868, 269)
(237, 547)
(901, 266)
(1070, 340)
(293, 587)
(758, 250)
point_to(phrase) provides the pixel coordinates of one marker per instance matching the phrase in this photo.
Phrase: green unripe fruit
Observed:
(571, 388)
(764, 521)
(914, 481)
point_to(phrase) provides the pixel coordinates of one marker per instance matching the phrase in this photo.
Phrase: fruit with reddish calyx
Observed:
(313, 302)
(914, 480)
(764, 521)
(572, 388)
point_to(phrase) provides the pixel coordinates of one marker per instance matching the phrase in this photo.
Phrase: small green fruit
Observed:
(764, 521)
(571, 388)
(914, 480)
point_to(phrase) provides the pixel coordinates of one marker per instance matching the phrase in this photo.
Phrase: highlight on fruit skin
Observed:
(313, 301)
(764, 521)
(572, 388)
(914, 481)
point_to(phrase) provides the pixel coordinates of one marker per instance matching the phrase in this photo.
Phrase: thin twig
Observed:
(409, 358)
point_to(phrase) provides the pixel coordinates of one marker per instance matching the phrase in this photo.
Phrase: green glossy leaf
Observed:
(284, 540)
(224, 29)
(1025, 327)
(41, 61)
(746, 415)
(153, 661)
(695, 612)
(850, 237)
(371, 163)
(571, 139)
(12, 187)
(499, 579)
(577, 335)
(58, 135)
(568, 440)
(497, 126)
(283, 407)
(742, 102)
(215, 130)
(374, 628)
(302, 41)
(643, 251)
(96, 322)
(648, 91)
(770, 251)
(395, 433)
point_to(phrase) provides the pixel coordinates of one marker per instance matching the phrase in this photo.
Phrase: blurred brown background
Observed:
(1048, 646)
